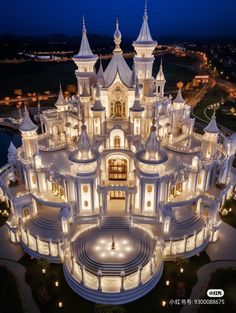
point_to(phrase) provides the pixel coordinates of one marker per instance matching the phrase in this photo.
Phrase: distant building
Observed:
(118, 182)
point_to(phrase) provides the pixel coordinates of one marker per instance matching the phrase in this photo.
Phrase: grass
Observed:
(10, 301)
(222, 279)
(212, 96)
(231, 217)
(3, 217)
(47, 296)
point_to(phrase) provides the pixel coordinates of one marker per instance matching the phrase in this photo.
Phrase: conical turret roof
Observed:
(85, 50)
(98, 104)
(61, 101)
(100, 75)
(160, 75)
(212, 126)
(137, 106)
(145, 34)
(179, 97)
(27, 125)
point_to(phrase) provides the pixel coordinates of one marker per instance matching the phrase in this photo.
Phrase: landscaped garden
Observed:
(10, 301)
(228, 213)
(52, 294)
(224, 279)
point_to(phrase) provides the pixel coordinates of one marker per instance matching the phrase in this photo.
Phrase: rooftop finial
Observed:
(84, 27)
(145, 16)
(117, 23)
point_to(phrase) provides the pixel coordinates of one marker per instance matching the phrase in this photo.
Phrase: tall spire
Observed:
(98, 104)
(27, 125)
(145, 34)
(137, 106)
(160, 75)
(61, 101)
(85, 50)
(100, 74)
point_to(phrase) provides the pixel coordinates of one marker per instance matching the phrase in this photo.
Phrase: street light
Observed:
(163, 303)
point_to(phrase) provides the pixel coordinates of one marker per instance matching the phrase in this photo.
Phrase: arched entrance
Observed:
(25, 212)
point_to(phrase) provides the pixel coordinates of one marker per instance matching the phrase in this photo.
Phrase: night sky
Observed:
(195, 18)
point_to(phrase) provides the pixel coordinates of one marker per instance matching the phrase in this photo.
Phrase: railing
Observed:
(115, 283)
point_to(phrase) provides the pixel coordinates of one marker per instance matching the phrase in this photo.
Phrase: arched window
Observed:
(26, 212)
(117, 141)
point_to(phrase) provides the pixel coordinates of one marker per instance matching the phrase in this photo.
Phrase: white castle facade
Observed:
(117, 182)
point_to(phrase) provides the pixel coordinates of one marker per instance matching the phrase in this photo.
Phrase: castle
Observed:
(117, 181)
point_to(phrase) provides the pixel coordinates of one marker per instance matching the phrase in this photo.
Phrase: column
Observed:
(185, 243)
(82, 268)
(122, 277)
(50, 247)
(72, 264)
(27, 236)
(151, 266)
(140, 274)
(99, 274)
(171, 245)
(37, 243)
(195, 239)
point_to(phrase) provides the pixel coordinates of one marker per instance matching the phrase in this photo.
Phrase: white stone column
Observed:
(27, 237)
(195, 239)
(140, 274)
(37, 243)
(50, 247)
(122, 278)
(185, 243)
(171, 245)
(151, 266)
(99, 275)
(82, 268)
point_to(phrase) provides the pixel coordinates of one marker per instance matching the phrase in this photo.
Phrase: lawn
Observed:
(222, 279)
(10, 301)
(3, 215)
(212, 96)
(47, 295)
(231, 217)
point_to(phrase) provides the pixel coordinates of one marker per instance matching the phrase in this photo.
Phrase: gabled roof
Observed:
(118, 66)
(145, 34)
(212, 126)
(160, 75)
(85, 50)
(179, 98)
(27, 125)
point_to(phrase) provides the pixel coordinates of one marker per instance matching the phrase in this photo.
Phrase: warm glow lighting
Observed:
(56, 283)
(43, 271)
(120, 255)
(103, 255)
(97, 248)
(60, 304)
(181, 270)
(102, 241)
(167, 283)
(163, 303)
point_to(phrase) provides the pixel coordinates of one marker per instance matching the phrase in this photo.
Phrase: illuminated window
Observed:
(33, 179)
(117, 142)
(85, 188)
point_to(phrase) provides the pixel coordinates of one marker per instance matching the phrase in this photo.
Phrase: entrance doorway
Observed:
(117, 194)
(116, 202)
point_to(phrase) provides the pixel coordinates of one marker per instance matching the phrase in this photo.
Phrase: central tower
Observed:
(144, 46)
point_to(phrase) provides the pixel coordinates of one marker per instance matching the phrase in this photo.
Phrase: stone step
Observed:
(115, 222)
(175, 225)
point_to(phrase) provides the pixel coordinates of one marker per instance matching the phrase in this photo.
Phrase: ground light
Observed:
(181, 270)
(43, 271)
(56, 283)
(167, 283)
(163, 303)
(60, 304)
